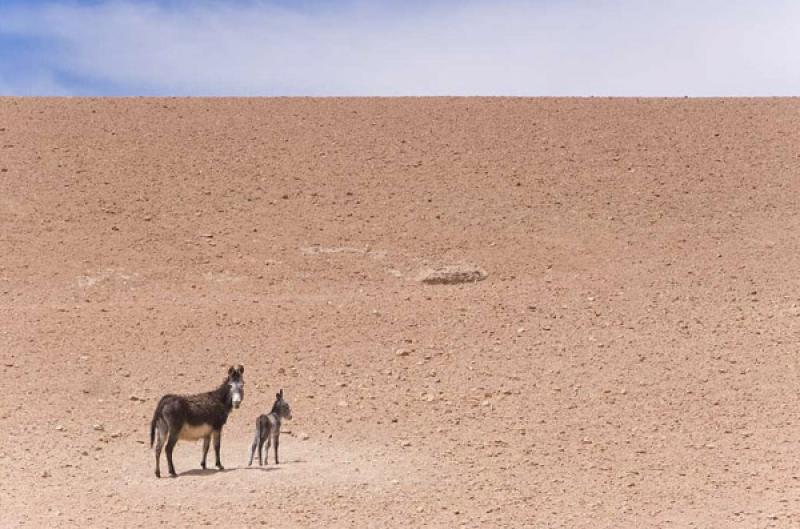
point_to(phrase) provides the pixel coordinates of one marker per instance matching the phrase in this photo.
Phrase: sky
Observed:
(403, 48)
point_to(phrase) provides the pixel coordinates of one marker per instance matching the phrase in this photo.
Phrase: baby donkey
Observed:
(268, 428)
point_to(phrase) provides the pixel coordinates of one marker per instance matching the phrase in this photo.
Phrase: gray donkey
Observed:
(193, 417)
(268, 428)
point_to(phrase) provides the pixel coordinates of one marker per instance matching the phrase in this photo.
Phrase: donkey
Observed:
(268, 428)
(193, 417)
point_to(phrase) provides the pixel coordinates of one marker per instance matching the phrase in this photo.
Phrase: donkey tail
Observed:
(153, 423)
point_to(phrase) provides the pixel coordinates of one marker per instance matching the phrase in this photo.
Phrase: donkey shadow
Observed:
(263, 469)
(203, 471)
(210, 471)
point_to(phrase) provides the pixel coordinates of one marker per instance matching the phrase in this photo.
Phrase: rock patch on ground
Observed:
(451, 275)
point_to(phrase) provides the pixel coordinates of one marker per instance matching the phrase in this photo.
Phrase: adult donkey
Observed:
(193, 417)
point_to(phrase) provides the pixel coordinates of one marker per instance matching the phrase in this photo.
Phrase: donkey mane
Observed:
(222, 391)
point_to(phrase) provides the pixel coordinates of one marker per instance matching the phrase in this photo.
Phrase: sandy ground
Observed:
(630, 361)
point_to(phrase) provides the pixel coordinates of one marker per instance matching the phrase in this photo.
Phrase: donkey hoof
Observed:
(203, 466)
(158, 474)
(220, 467)
(172, 474)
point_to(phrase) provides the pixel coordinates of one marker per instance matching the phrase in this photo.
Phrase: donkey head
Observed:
(236, 384)
(281, 407)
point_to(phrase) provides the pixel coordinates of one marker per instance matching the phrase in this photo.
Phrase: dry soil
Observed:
(630, 360)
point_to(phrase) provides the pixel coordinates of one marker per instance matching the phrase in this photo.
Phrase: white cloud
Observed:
(579, 47)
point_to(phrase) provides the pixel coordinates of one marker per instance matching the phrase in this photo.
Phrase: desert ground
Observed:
(630, 360)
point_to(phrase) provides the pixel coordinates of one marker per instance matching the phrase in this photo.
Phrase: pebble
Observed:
(304, 436)
(402, 352)
(99, 427)
(60, 428)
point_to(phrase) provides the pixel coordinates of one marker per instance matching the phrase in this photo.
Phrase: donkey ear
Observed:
(241, 369)
(281, 393)
(278, 396)
(231, 371)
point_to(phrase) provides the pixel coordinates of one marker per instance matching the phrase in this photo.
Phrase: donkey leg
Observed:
(277, 438)
(217, 438)
(159, 445)
(206, 443)
(266, 453)
(172, 440)
(261, 440)
(253, 449)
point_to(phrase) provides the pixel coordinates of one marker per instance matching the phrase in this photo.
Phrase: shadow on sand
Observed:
(209, 471)
(264, 468)
(203, 471)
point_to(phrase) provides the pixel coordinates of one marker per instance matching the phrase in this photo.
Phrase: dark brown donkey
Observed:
(268, 427)
(193, 417)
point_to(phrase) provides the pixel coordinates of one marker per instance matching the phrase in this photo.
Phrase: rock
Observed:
(451, 275)
(402, 352)
(46, 474)
(405, 443)
(98, 427)
(342, 403)
(60, 428)
(136, 398)
(304, 436)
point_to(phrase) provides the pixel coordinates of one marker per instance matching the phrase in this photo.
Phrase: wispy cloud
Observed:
(578, 47)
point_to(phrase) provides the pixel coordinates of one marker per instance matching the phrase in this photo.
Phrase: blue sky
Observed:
(412, 47)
